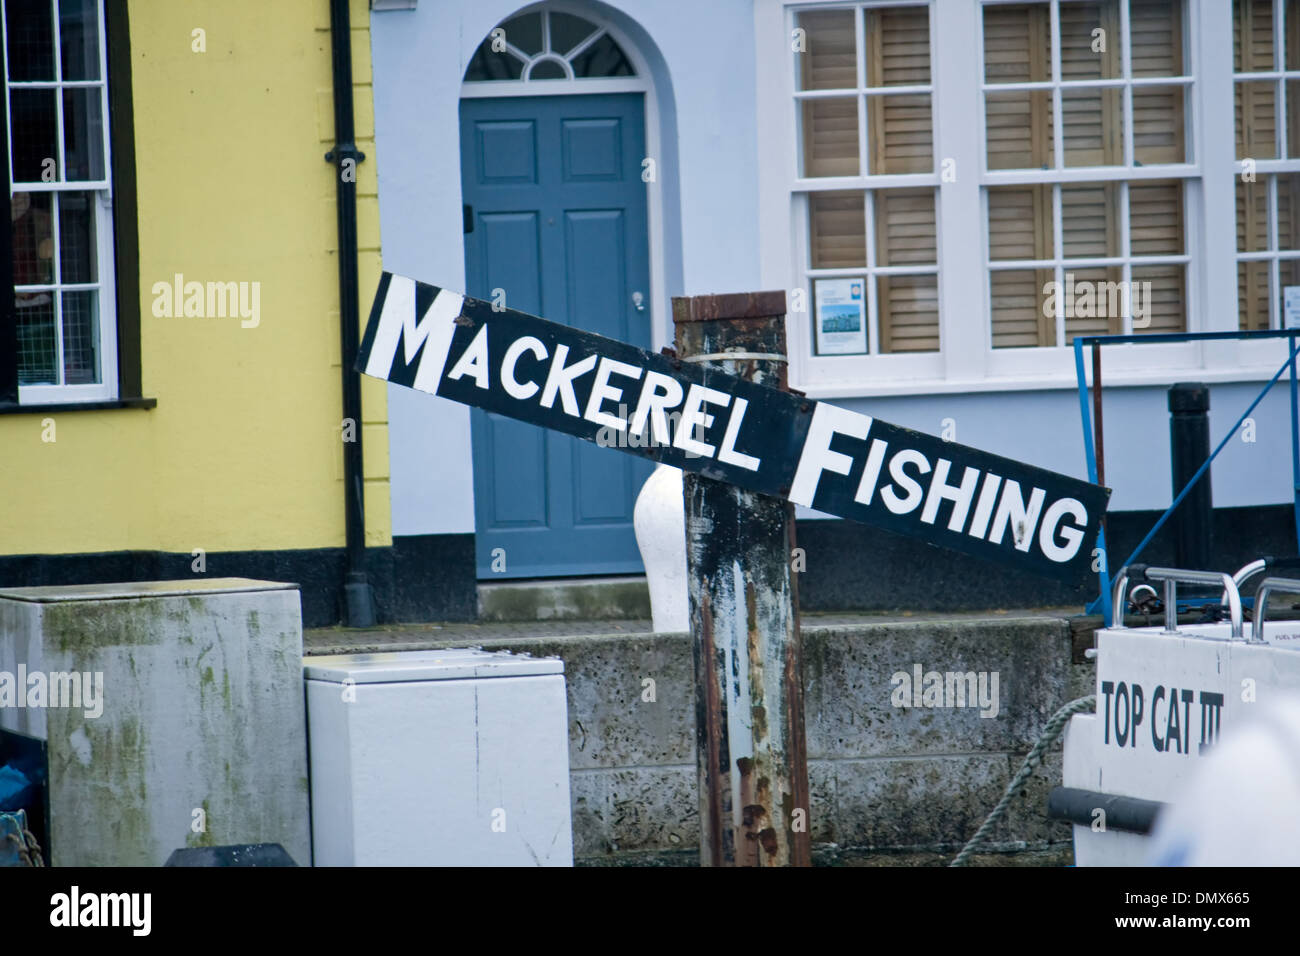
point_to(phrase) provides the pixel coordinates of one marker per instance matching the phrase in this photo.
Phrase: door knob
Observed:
(638, 301)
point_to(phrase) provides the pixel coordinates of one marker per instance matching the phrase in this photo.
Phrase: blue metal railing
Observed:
(1103, 601)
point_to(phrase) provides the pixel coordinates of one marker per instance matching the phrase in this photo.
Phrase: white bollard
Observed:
(660, 522)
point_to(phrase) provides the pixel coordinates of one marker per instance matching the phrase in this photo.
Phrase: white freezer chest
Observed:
(438, 758)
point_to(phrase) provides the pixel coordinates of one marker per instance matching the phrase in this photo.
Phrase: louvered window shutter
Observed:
(908, 305)
(900, 128)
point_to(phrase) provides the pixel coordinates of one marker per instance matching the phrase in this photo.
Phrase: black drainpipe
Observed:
(358, 601)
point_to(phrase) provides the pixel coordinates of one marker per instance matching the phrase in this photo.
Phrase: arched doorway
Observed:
(557, 223)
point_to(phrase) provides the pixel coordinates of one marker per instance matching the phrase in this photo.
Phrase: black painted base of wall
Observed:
(851, 567)
(420, 578)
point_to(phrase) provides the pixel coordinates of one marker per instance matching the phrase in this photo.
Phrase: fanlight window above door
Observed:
(546, 45)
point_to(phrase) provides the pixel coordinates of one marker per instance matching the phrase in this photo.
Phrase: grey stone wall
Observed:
(886, 781)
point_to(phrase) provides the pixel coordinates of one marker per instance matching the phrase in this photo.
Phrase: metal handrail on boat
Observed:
(1171, 578)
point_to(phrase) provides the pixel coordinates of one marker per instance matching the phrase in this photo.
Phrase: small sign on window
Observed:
(1291, 307)
(841, 316)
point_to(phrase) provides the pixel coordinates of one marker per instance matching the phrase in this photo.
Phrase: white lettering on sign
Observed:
(659, 393)
(812, 453)
(399, 323)
(602, 391)
(827, 421)
(514, 388)
(473, 361)
(560, 381)
(693, 416)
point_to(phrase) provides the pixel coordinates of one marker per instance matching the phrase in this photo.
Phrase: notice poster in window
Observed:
(1291, 307)
(841, 316)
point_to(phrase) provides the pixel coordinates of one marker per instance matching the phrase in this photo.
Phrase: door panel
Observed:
(559, 224)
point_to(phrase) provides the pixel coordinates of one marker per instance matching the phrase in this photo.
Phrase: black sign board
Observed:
(812, 453)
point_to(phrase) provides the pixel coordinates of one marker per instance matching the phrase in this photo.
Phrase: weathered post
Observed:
(749, 729)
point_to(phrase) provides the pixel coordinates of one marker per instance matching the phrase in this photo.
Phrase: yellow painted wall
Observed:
(244, 449)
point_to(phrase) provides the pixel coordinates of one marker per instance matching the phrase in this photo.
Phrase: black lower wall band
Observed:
(419, 578)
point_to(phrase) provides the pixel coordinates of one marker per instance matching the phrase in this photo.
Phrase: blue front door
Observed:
(556, 213)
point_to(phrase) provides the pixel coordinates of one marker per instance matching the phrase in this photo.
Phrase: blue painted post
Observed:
(1103, 573)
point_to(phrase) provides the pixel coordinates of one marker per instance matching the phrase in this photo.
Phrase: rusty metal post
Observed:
(749, 727)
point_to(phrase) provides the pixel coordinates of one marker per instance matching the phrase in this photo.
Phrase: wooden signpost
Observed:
(751, 450)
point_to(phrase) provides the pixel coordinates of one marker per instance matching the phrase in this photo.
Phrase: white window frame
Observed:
(967, 361)
(1059, 358)
(1267, 170)
(805, 365)
(107, 387)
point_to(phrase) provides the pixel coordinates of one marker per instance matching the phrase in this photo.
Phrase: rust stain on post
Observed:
(711, 743)
(753, 767)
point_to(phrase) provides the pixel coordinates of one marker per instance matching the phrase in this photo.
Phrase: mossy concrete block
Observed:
(198, 737)
(879, 776)
(581, 599)
(852, 699)
(637, 808)
(631, 697)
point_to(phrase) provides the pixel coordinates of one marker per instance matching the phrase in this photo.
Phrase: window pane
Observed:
(1155, 213)
(1019, 130)
(81, 337)
(1292, 93)
(525, 32)
(1090, 220)
(37, 355)
(1087, 54)
(77, 253)
(830, 137)
(1291, 41)
(1252, 36)
(897, 45)
(1158, 125)
(828, 60)
(547, 70)
(489, 65)
(1288, 217)
(83, 134)
(1094, 301)
(908, 308)
(602, 58)
(1094, 124)
(905, 233)
(29, 31)
(1018, 298)
(33, 238)
(79, 39)
(1252, 296)
(900, 134)
(35, 135)
(1156, 28)
(1017, 43)
(1020, 222)
(838, 230)
(1252, 215)
(1256, 120)
(1159, 299)
(567, 31)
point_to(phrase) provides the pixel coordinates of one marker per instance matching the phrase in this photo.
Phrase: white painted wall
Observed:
(701, 60)
(725, 221)
(1043, 428)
